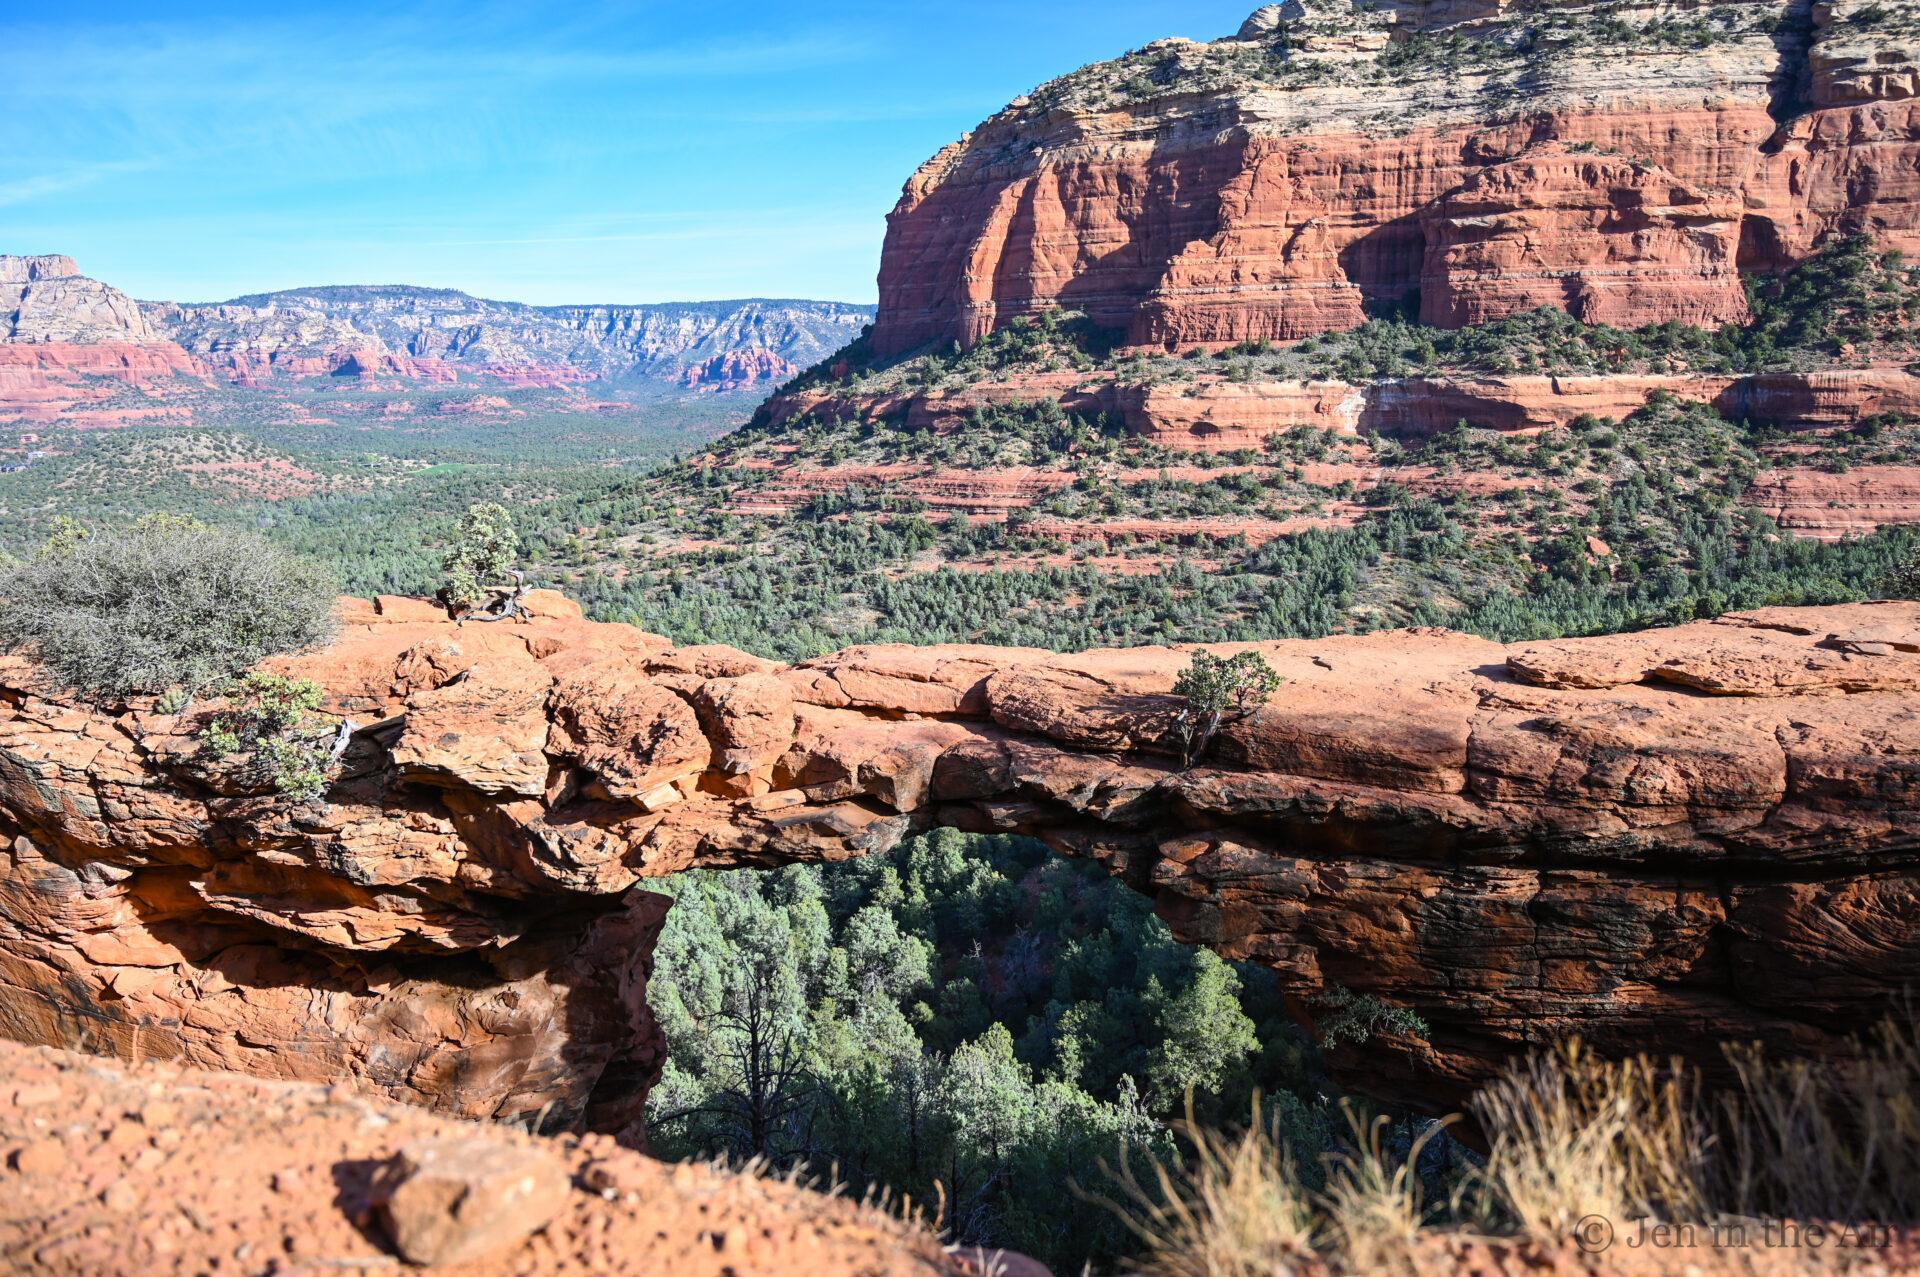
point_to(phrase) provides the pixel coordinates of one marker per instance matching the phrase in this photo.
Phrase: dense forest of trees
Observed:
(971, 1011)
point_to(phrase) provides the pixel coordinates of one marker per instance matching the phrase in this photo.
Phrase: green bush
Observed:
(164, 603)
(1215, 687)
(486, 549)
(1356, 1017)
(270, 722)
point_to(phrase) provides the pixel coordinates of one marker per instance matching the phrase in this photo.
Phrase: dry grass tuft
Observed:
(1242, 1210)
(1573, 1135)
(1374, 1204)
(1825, 1139)
(1241, 1213)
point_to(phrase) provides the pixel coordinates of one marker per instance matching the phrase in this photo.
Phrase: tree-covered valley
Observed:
(969, 1019)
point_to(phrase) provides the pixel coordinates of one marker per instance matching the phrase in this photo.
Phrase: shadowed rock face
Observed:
(1658, 841)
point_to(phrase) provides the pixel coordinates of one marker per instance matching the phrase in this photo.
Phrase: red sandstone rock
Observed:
(1626, 184)
(634, 737)
(711, 661)
(47, 381)
(902, 679)
(749, 720)
(454, 1201)
(1608, 240)
(1828, 506)
(485, 730)
(163, 1171)
(1657, 841)
(1218, 416)
(738, 369)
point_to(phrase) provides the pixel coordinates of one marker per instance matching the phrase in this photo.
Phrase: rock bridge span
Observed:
(1657, 841)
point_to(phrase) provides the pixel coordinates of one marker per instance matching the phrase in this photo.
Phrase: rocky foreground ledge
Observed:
(161, 1170)
(1658, 841)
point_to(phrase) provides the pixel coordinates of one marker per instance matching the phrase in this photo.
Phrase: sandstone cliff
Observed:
(1658, 841)
(47, 299)
(1619, 163)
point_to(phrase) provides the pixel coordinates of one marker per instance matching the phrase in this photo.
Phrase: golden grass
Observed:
(1572, 1136)
(1241, 1213)
(1825, 1139)
(1374, 1204)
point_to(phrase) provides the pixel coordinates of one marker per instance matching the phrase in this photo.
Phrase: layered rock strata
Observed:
(1618, 163)
(436, 334)
(1217, 415)
(54, 320)
(1658, 841)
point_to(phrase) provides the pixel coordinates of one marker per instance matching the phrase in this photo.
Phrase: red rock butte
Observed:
(1658, 841)
(1488, 158)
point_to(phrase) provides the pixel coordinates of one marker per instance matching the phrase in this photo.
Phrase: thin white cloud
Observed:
(26, 189)
(493, 144)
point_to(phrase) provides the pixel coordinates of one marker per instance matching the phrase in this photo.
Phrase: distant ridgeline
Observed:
(417, 335)
(673, 347)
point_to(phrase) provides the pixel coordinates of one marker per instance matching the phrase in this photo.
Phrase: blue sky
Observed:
(534, 151)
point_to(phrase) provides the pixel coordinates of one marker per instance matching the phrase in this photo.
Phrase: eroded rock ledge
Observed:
(1658, 841)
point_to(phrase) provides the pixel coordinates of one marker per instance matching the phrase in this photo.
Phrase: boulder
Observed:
(632, 735)
(749, 720)
(454, 1201)
(485, 730)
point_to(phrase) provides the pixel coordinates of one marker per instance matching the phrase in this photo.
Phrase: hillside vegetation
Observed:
(1598, 527)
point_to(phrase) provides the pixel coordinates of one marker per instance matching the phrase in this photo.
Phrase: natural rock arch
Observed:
(1658, 841)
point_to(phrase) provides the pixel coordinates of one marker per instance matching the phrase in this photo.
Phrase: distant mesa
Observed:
(659, 351)
(58, 328)
(31, 270)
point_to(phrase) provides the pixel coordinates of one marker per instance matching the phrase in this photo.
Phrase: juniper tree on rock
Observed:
(1215, 687)
(485, 549)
